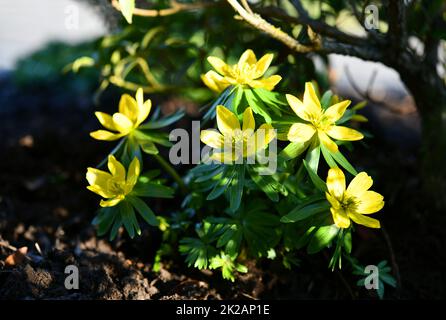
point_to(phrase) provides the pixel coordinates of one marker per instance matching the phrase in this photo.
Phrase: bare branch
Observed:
(323, 28)
(261, 24)
(397, 24)
(245, 5)
(175, 7)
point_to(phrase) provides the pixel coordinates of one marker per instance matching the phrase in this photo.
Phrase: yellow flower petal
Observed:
(143, 112)
(336, 111)
(97, 177)
(98, 181)
(360, 184)
(344, 133)
(139, 96)
(266, 83)
(370, 202)
(326, 141)
(248, 57)
(106, 120)
(260, 140)
(263, 64)
(212, 138)
(227, 122)
(311, 101)
(340, 218)
(223, 157)
(105, 135)
(220, 66)
(128, 107)
(111, 202)
(116, 168)
(299, 108)
(214, 81)
(122, 123)
(133, 172)
(301, 132)
(336, 182)
(248, 120)
(143, 108)
(100, 191)
(365, 221)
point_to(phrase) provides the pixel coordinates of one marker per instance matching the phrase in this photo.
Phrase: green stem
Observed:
(173, 173)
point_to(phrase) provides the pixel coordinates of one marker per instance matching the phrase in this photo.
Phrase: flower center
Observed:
(245, 74)
(117, 187)
(348, 203)
(321, 123)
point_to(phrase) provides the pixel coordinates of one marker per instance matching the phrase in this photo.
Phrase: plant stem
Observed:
(172, 172)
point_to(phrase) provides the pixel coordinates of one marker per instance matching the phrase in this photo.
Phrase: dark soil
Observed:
(45, 151)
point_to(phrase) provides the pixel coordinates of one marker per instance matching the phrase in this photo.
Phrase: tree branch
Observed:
(397, 24)
(175, 7)
(323, 28)
(261, 24)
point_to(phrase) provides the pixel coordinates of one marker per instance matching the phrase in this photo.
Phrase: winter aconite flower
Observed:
(319, 123)
(247, 72)
(117, 184)
(353, 202)
(132, 112)
(232, 142)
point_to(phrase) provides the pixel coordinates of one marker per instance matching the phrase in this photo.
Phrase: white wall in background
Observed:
(27, 25)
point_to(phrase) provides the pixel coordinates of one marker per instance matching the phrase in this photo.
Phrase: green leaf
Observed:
(161, 138)
(127, 8)
(266, 183)
(313, 155)
(105, 219)
(343, 162)
(198, 253)
(221, 100)
(231, 238)
(220, 188)
(387, 278)
(153, 190)
(236, 188)
(130, 151)
(115, 228)
(380, 290)
(327, 156)
(305, 211)
(326, 99)
(305, 238)
(211, 174)
(164, 122)
(144, 210)
(293, 150)
(236, 100)
(322, 238)
(271, 98)
(318, 182)
(217, 191)
(149, 147)
(257, 105)
(348, 241)
(126, 214)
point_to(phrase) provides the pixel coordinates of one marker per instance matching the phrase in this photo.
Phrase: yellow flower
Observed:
(247, 72)
(354, 202)
(132, 112)
(113, 186)
(319, 124)
(235, 142)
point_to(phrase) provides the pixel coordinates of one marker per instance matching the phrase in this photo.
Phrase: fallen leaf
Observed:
(17, 257)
